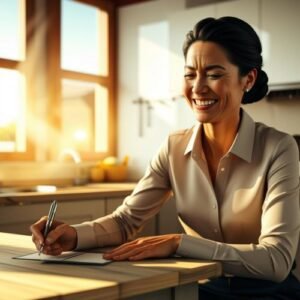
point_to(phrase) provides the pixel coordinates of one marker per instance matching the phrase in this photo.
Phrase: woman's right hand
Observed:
(62, 237)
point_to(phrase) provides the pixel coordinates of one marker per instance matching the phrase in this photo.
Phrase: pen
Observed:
(49, 222)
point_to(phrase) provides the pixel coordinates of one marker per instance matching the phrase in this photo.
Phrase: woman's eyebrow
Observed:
(211, 67)
(207, 68)
(189, 67)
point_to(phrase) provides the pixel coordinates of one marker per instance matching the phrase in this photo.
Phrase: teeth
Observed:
(204, 102)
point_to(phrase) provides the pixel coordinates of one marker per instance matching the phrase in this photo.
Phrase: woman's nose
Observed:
(199, 86)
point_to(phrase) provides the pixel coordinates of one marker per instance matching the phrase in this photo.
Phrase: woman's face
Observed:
(212, 84)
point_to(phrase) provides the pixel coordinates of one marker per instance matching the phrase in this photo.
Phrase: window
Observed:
(14, 88)
(57, 78)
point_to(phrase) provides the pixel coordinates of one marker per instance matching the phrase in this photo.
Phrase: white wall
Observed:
(160, 26)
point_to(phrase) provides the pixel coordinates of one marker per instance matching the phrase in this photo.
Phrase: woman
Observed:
(236, 182)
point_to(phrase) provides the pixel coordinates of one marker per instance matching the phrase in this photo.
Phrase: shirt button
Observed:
(214, 206)
(215, 230)
(222, 169)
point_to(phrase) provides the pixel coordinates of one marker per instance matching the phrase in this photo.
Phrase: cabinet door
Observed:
(149, 228)
(17, 219)
(280, 25)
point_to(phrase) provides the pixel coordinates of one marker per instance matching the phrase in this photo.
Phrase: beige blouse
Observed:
(249, 220)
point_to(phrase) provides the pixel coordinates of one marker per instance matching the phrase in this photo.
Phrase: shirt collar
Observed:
(195, 136)
(243, 142)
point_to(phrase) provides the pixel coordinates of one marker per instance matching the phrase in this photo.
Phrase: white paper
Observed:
(68, 257)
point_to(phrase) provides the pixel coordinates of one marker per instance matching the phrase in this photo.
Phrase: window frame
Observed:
(21, 66)
(55, 72)
(52, 76)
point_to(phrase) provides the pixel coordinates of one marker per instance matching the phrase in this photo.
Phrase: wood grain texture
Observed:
(34, 280)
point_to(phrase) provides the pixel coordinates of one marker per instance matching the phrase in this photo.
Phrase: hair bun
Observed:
(259, 90)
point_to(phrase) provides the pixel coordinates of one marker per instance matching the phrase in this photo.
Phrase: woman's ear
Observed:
(250, 79)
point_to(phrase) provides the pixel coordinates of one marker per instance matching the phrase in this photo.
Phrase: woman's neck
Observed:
(217, 138)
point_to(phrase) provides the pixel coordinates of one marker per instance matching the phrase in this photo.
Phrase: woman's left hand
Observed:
(146, 247)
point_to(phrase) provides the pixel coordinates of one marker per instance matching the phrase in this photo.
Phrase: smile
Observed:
(204, 103)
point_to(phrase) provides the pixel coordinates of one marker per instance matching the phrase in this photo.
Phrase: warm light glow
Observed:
(80, 135)
(84, 116)
(12, 107)
(9, 97)
(101, 120)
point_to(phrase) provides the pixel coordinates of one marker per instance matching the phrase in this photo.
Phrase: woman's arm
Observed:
(146, 200)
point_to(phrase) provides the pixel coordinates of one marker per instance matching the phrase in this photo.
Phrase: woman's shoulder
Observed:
(183, 136)
(186, 132)
(272, 133)
(273, 137)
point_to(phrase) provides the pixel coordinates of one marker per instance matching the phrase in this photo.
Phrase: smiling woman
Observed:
(235, 181)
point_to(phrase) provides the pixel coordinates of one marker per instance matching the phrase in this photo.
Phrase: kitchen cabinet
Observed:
(78, 205)
(18, 218)
(280, 25)
(277, 23)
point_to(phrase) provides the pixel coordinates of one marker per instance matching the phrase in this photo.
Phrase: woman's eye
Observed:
(214, 76)
(189, 75)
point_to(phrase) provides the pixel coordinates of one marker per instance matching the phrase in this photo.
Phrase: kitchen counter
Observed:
(76, 204)
(18, 210)
(88, 191)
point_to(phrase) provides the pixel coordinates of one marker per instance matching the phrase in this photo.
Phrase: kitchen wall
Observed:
(150, 66)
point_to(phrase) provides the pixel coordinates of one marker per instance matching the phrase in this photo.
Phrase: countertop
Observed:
(88, 191)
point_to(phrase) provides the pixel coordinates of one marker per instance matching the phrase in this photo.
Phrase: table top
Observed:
(21, 279)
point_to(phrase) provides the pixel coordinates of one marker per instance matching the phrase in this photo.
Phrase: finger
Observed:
(52, 250)
(120, 250)
(132, 244)
(36, 229)
(56, 233)
(130, 253)
(37, 243)
(142, 255)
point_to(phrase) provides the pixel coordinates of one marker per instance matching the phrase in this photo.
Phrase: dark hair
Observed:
(241, 44)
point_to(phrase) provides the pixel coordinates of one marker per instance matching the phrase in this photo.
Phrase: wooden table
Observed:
(149, 279)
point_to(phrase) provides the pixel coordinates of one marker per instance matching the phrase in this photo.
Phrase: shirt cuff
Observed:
(196, 247)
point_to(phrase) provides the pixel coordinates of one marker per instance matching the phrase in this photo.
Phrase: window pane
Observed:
(12, 29)
(12, 107)
(84, 116)
(84, 38)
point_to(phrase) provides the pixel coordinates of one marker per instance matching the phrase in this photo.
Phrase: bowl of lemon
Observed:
(114, 169)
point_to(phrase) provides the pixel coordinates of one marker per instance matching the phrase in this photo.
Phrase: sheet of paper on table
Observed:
(71, 257)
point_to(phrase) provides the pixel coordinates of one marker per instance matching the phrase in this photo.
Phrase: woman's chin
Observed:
(202, 117)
